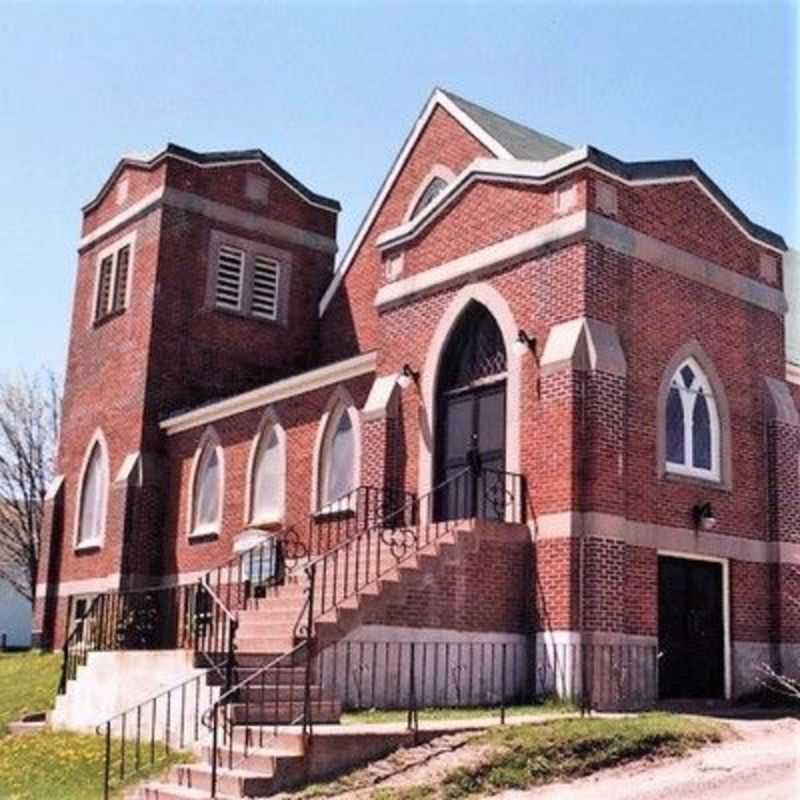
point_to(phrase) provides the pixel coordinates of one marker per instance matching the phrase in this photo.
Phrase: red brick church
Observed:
(544, 401)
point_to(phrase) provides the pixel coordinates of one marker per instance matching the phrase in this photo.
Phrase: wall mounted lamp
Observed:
(524, 343)
(703, 516)
(407, 377)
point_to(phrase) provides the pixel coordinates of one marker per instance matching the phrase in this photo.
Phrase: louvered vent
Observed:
(265, 288)
(104, 287)
(230, 267)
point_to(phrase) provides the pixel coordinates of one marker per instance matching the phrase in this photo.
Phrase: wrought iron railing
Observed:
(347, 569)
(249, 575)
(154, 618)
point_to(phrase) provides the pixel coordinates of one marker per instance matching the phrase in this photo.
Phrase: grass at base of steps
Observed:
(28, 683)
(50, 765)
(528, 755)
(521, 756)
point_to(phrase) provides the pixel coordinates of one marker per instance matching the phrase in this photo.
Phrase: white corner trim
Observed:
(280, 390)
(54, 487)
(793, 373)
(583, 344)
(437, 99)
(473, 265)
(379, 400)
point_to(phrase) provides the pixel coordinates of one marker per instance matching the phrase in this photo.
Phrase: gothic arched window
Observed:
(94, 488)
(338, 457)
(692, 424)
(267, 488)
(207, 489)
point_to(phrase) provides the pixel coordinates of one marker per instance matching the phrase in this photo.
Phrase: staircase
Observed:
(260, 728)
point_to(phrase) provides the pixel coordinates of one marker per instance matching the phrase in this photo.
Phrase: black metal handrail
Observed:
(474, 493)
(251, 573)
(151, 618)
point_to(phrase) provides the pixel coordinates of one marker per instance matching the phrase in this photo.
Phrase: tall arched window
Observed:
(692, 424)
(94, 489)
(267, 488)
(338, 473)
(207, 489)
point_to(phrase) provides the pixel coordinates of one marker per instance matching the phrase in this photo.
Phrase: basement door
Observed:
(690, 629)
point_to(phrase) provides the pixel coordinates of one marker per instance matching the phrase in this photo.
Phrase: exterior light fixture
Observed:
(407, 377)
(703, 516)
(524, 344)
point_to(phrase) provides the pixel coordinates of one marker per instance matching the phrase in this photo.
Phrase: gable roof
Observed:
(519, 140)
(511, 141)
(216, 158)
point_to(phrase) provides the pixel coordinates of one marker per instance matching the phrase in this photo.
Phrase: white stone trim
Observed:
(587, 226)
(557, 638)
(152, 161)
(280, 390)
(148, 202)
(437, 99)
(340, 402)
(98, 438)
(793, 373)
(481, 262)
(583, 344)
(269, 422)
(210, 438)
(574, 524)
(218, 212)
(488, 296)
(379, 401)
(537, 173)
(111, 583)
(726, 608)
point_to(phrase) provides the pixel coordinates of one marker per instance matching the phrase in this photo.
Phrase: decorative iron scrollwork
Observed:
(497, 496)
(399, 541)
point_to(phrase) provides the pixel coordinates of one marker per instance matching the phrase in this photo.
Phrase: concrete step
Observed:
(263, 693)
(264, 644)
(236, 782)
(284, 713)
(170, 791)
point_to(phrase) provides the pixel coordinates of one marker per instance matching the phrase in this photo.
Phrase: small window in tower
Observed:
(264, 299)
(230, 269)
(113, 279)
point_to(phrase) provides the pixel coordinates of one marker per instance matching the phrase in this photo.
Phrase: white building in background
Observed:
(16, 617)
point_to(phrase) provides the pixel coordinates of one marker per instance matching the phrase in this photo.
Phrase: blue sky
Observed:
(330, 89)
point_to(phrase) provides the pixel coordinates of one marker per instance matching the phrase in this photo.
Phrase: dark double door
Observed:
(471, 444)
(690, 629)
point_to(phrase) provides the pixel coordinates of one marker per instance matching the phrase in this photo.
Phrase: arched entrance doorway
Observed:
(471, 416)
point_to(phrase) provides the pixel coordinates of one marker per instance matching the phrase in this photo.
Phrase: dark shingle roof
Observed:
(521, 141)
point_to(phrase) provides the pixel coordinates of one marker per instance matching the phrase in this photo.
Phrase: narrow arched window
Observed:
(338, 468)
(432, 191)
(93, 499)
(207, 491)
(692, 424)
(267, 489)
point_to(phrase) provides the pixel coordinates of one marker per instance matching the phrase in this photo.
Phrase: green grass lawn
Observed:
(28, 682)
(47, 765)
(527, 755)
(550, 706)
